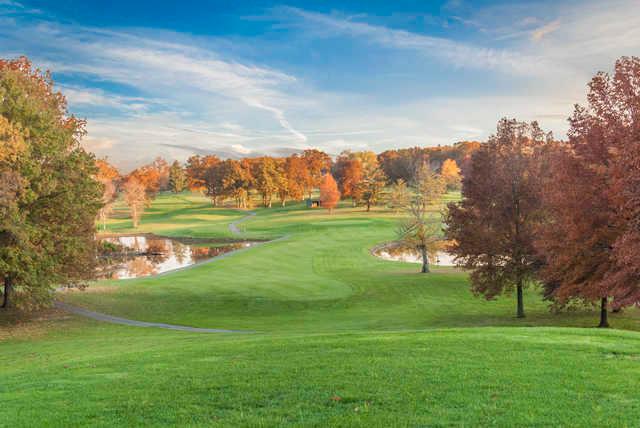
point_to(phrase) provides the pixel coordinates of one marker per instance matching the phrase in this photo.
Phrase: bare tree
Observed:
(135, 196)
(421, 232)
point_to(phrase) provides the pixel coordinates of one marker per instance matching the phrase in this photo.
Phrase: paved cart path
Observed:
(117, 320)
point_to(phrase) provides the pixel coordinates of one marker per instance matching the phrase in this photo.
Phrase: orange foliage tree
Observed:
(317, 163)
(329, 193)
(450, 172)
(107, 175)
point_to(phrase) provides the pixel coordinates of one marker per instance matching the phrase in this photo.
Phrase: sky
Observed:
(173, 79)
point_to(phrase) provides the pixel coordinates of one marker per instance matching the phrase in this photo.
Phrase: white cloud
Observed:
(178, 73)
(544, 30)
(456, 53)
(241, 149)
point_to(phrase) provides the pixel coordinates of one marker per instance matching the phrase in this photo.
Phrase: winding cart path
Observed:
(233, 227)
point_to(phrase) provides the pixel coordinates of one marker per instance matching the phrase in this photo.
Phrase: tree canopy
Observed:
(47, 186)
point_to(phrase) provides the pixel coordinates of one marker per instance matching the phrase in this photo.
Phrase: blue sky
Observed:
(178, 78)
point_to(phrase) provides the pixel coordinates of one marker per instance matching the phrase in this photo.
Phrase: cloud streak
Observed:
(452, 52)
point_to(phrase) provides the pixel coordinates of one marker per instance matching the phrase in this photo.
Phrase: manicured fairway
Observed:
(344, 339)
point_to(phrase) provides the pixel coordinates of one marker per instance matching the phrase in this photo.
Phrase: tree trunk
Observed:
(604, 316)
(368, 206)
(425, 260)
(7, 290)
(520, 301)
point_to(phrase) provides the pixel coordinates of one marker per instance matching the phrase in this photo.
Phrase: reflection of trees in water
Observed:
(400, 252)
(202, 253)
(140, 266)
(180, 251)
(145, 255)
(158, 250)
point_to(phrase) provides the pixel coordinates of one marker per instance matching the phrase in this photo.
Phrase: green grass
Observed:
(397, 347)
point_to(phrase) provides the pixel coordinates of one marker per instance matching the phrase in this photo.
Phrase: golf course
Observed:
(325, 334)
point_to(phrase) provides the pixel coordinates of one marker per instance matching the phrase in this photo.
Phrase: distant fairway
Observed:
(343, 339)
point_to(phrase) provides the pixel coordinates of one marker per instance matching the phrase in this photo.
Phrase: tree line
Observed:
(360, 176)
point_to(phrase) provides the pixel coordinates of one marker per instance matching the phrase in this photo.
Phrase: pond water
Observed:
(144, 255)
(402, 254)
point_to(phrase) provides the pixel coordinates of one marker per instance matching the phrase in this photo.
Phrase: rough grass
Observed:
(344, 339)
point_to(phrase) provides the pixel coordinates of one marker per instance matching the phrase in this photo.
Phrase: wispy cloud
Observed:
(544, 30)
(453, 52)
(179, 73)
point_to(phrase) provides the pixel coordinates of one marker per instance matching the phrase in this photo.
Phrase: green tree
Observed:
(177, 177)
(49, 196)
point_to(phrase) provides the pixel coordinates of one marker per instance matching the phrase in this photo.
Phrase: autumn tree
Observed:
(213, 176)
(403, 163)
(421, 232)
(195, 171)
(237, 180)
(107, 175)
(399, 196)
(297, 176)
(590, 242)
(49, 197)
(329, 193)
(148, 176)
(164, 170)
(266, 177)
(177, 178)
(493, 227)
(450, 173)
(317, 163)
(372, 185)
(428, 185)
(282, 181)
(135, 196)
(349, 172)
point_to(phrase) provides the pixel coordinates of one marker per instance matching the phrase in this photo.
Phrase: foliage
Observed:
(450, 173)
(49, 196)
(329, 194)
(177, 178)
(372, 185)
(429, 186)
(590, 241)
(493, 227)
(399, 196)
(349, 172)
(403, 163)
(135, 197)
(317, 163)
(266, 176)
(108, 175)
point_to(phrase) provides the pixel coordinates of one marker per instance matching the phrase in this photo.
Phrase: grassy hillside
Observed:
(320, 278)
(343, 338)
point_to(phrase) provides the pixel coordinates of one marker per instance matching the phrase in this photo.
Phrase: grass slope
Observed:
(345, 339)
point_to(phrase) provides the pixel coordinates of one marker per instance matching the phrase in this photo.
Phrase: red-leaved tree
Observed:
(492, 227)
(591, 241)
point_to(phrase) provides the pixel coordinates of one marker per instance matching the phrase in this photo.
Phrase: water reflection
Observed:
(398, 253)
(144, 255)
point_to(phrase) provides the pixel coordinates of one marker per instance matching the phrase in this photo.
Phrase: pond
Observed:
(136, 256)
(399, 253)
